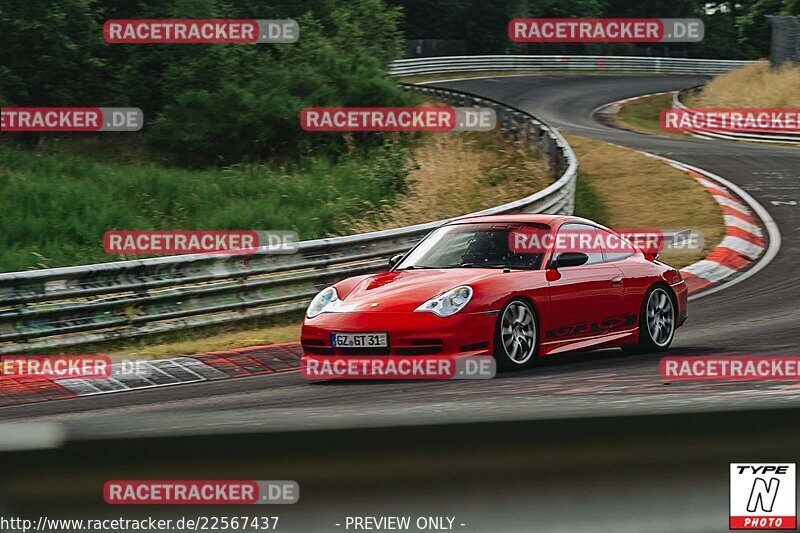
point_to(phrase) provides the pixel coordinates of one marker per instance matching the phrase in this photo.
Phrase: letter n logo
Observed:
(762, 495)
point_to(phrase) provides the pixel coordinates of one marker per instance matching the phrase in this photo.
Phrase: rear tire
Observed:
(516, 336)
(657, 322)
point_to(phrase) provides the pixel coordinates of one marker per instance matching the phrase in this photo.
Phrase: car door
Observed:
(636, 278)
(584, 299)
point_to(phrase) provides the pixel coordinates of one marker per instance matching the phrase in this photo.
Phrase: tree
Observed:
(49, 53)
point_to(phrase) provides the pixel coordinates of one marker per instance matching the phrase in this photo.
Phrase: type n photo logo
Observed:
(763, 496)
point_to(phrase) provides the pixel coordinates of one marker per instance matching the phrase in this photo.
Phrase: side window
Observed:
(614, 247)
(579, 238)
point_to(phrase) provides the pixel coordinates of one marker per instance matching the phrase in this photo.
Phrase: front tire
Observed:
(657, 322)
(516, 336)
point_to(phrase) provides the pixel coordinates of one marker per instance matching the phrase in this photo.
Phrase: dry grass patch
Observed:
(459, 173)
(756, 85)
(640, 192)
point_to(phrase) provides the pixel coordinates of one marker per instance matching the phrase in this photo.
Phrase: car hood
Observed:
(405, 290)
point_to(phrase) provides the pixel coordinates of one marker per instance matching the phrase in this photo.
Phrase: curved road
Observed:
(758, 316)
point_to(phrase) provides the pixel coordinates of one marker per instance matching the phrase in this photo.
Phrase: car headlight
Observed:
(322, 302)
(448, 303)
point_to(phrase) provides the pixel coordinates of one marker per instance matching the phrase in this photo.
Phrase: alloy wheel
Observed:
(518, 332)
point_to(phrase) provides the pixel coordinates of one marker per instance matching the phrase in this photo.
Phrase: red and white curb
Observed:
(743, 242)
(746, 248)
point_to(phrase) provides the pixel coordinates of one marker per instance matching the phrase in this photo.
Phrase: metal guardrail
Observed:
(783, 137)
(59, 307)
(560, 63)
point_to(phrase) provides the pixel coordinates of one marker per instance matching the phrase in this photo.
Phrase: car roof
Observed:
(550, 220)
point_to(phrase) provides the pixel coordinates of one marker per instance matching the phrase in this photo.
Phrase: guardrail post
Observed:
(553, 152)
(519, 124)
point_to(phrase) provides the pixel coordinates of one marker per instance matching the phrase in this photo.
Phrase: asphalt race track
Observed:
(757, 316)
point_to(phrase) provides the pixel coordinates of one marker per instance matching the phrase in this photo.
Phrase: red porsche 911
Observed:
(466, 290)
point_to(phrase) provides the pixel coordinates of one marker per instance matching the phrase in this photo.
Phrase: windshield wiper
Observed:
(417, 267)
(468, 265)
(474, 265)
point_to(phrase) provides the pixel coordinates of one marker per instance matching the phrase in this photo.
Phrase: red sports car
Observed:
(466, 290)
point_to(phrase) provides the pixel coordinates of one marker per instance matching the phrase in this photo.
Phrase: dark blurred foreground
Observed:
(630, 473)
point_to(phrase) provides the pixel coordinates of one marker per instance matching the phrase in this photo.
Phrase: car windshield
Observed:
(471, 246)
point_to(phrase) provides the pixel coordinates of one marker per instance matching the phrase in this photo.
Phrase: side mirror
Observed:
(394, 260)
(569, 259)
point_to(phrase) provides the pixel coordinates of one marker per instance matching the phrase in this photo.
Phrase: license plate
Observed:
(360, 340)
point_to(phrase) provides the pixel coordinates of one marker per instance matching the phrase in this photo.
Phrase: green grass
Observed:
(56, 204)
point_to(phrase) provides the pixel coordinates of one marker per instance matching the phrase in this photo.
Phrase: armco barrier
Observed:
(558, 63)
(51, 308)
(782, 138)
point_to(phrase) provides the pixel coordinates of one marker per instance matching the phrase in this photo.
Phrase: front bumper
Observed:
(410, 334)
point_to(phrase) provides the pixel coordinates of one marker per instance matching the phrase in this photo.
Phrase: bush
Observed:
(206, 104)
